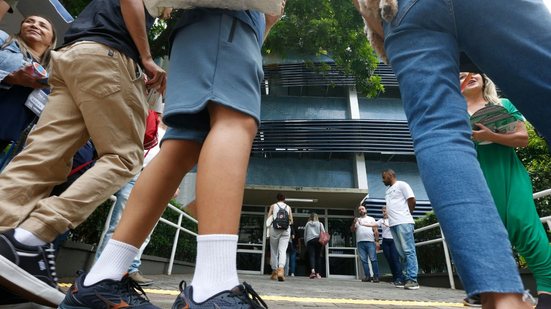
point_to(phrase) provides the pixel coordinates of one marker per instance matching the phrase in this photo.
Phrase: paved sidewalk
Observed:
(301, 292)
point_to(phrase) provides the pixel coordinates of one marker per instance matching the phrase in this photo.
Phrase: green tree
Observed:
(75, 6)
(327, 27)
(537, 160)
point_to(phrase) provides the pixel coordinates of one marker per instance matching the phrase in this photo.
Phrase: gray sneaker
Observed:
(140, 279)
(411, 285)
(240, 297)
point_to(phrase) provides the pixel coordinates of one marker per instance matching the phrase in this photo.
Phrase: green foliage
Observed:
(537, 160)
(75, 6)
(89, 232)
(431, 257)
(327, 27)
(309, 28)
(163, 237)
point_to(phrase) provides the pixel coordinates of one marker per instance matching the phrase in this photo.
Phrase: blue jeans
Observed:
(511, 42)
(368, 250)
(393, 259)
(291, 264)
(122, 197)
(405, 245)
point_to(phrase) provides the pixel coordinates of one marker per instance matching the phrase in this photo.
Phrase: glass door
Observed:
(251, 242)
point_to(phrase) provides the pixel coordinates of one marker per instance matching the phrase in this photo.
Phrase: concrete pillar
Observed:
(360, 171)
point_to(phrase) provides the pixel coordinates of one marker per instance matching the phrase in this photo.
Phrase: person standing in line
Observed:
(389, 250)
(280, 233)
(509, 183)
(312, 231)
(98, 92)
(400, 203)
(367, 236)
(291, 264)
(18, 53)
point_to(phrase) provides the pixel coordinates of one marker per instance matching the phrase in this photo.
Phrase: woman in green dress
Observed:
(509, 181)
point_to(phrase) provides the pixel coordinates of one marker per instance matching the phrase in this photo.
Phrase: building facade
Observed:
(324, 146)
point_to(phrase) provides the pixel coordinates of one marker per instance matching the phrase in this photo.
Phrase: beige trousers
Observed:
(97, 93)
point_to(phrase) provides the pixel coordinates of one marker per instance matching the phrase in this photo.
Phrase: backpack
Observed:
(151, 125)
(281, 221)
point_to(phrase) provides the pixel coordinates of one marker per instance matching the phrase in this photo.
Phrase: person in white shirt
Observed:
(389, 250)
(400, 203)
(367, 237)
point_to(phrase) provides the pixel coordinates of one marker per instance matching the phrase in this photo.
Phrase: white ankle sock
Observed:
(27, 238)
(215, 266)
(113, 262)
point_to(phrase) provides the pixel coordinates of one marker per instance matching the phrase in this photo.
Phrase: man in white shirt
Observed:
(367, 235)
(400, 203)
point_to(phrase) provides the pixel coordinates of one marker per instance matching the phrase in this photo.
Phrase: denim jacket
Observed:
(14, 115)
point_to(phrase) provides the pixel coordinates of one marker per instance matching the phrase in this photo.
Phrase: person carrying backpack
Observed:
(280, 232)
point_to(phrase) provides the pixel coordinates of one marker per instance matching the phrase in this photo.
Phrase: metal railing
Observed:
(178, 226)
(442, 239)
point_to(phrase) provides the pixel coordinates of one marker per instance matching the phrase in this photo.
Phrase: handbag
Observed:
(272, 7)
(324, 238)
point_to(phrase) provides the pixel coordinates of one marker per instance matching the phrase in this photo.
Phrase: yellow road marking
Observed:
(360, 301)
(294, 299)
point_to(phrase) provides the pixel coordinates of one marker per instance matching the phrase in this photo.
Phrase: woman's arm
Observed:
(291, 220)
(518, 138)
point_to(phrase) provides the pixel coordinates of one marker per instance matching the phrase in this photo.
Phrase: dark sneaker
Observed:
(106, 294)
(544, 301)
(399, 284)
(366, 279)
(240, 297)
(29, 271)
(411, 285)
(473, 301)
(140, 279)
(376, 280)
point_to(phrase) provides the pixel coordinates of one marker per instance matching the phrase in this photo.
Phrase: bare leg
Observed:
(154, 189)
(221, 175)
(222, 170)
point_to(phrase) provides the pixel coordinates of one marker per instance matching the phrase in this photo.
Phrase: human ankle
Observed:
(504, 301)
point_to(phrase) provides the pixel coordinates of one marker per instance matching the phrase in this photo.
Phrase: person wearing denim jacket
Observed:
(32, 44)
(511, 42)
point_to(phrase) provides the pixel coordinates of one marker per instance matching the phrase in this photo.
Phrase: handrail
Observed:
(177, 226)
(442, 239)
(177, 234)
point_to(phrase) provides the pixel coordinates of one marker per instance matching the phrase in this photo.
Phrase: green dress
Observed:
(511, 189)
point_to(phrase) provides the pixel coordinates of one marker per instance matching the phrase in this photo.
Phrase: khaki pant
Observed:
(97, 93)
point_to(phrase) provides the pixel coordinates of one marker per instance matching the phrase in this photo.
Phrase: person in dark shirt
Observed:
(98, 91)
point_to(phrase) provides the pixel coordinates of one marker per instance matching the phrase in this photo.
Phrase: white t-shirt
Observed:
(396, 197)
(383, 224)
(364, 233)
